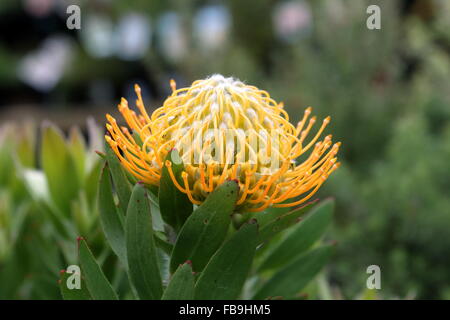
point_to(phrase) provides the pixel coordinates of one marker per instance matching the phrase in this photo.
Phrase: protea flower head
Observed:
(224, 129)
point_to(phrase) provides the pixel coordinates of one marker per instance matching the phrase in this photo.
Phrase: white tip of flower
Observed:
(218, 80)
(209, 135)
(217, 77)
(240, 132)
(268, 122)
(263, 134)
(214, 108)
(196, 124)
(155, 164)
(227, 117)
(251, 113)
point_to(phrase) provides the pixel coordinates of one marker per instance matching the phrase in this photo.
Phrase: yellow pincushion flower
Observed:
(224, 129)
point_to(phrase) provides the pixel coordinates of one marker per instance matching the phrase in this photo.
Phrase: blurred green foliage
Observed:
(39, 224)
(393, 192)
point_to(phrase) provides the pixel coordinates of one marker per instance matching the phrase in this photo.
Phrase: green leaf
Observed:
(13, 272)
(81, 214)
(158, 223)
(161, 242)
(59, 168)
(281, 223)
(26, 145)
(181, 286)
(95, 136)
(96, 282)
(73, 294)
(92, 179)
(6, 159)
(141, 251)
(206, 228)
(174, 205)
(301, 237)
(270, 214)
(121, 184)
(77, 146)
(295, 276)
(226, 272)
(111, 220)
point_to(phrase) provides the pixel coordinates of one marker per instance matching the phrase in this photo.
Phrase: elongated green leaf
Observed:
(13, 273)
(141, 251)
(295, 276)
(162, 243)
(158, 223)
(281, 223)
(26, 144)
(174, 205)
(81, 214)
(81, 293)
(77, 150)
(121, 184)
(206, 228)
(111, 220)
(96, 282)
(301, 237)
(94, 136)
(225, 274)
(270, 214)
(92, 179)
(181, 286)
(59, 167)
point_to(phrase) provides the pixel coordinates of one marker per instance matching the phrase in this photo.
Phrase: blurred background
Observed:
(388, 92)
